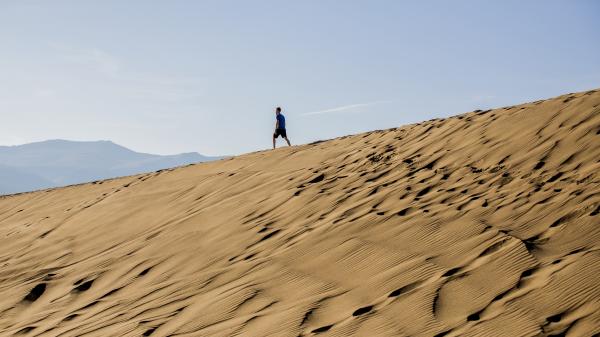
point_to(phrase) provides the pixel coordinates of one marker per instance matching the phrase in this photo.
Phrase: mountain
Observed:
(60, 162)
(14, 180)
(482, 224)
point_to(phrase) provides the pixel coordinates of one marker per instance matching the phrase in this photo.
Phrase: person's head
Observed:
(277, 110)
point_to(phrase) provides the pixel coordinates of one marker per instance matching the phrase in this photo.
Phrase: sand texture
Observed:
(483, 224)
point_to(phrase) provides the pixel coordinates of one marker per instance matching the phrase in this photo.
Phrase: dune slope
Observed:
(483, 224)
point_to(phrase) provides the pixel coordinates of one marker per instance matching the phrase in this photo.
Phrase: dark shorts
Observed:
(279, 132)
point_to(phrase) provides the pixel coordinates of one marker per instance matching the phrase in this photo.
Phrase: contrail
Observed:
(342, 108)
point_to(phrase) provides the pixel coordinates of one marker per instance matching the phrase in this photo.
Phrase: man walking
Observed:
(280, 127)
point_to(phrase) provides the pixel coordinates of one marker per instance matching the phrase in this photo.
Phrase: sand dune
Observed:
(483, 224)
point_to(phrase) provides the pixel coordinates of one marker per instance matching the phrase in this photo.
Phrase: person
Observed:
(280, 127)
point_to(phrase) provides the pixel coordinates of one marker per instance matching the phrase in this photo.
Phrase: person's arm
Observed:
(277, 123)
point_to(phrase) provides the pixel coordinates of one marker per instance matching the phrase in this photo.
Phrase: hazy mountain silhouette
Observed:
(61, 162)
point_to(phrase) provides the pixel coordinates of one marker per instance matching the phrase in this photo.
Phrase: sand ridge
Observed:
(482, 224)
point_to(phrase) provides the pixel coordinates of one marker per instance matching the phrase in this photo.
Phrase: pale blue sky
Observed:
(176, 76)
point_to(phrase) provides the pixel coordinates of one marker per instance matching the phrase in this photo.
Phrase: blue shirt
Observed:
(281, 121)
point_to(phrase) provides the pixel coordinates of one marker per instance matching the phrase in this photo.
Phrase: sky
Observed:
(205, 76)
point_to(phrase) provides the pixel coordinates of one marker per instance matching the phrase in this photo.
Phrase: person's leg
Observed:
(287, 140)
(273, 142)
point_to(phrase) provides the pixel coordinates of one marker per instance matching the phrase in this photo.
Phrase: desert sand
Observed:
(482, 224)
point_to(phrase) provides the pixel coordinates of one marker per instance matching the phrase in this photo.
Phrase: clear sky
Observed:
(177, 76)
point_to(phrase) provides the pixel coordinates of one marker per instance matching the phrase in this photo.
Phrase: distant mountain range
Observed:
(55, 163)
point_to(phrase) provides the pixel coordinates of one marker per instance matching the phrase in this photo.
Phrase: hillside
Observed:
(60, 162)
(483, 224)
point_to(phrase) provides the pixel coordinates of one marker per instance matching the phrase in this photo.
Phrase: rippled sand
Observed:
(483, 224)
